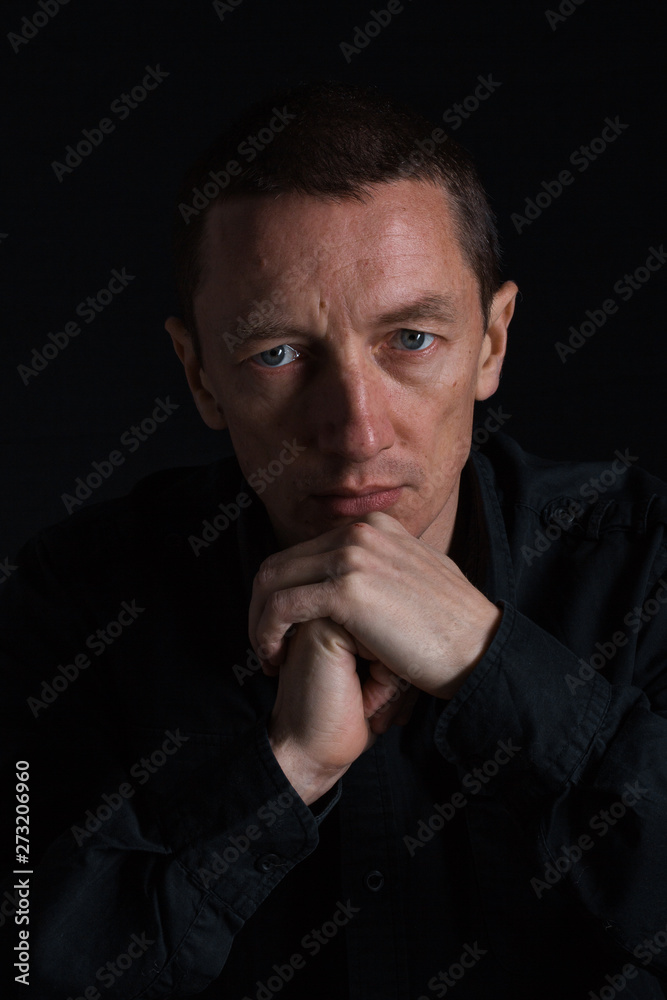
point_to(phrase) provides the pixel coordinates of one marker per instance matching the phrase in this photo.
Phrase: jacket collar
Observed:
(499, 581)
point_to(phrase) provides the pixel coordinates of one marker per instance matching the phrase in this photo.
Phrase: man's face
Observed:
(365, 348)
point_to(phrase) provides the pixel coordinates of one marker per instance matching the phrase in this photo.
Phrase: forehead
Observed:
(403, 231)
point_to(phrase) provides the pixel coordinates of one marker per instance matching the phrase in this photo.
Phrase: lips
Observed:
(354, 491)
(347, 502)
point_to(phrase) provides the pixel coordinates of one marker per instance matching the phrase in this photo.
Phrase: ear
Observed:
(200, 385)
(492, 354)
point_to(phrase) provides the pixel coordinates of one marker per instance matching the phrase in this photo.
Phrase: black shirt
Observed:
(511, 842)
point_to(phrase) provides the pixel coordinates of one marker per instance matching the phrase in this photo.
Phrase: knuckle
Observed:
(376, 519)
(357, 533)
(266, 574)
(275, 604)
(287, 607)
(350, 559)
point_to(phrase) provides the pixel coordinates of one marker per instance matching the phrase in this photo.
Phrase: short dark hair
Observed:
(336, 140)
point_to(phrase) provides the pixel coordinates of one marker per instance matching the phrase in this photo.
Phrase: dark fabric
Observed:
(510, 843)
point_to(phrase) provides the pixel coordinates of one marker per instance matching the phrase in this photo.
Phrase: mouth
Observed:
(343, 502)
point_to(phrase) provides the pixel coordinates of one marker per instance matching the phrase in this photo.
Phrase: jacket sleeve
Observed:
(588, 759)
(135, 891)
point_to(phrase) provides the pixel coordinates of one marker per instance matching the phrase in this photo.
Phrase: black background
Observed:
(61, 240)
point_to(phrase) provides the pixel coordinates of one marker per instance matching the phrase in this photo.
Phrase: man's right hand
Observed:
(323, 718)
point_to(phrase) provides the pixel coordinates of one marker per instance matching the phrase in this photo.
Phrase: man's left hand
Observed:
(406, 604)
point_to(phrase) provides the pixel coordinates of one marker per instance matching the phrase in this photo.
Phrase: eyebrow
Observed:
(429, 306)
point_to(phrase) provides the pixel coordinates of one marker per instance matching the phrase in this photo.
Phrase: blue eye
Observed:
(276, 357)
(413, 340)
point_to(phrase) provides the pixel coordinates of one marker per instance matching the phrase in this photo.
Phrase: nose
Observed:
(353, 415)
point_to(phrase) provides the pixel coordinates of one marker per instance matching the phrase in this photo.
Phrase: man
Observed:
(438, 760)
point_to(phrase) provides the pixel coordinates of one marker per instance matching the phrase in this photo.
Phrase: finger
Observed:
(319, 560)
(285, 608)
(390, 712)
(400, 698)
(272, 669)
(274, 576)
(382, 688)
(381, 521)
(268, 669)
(363, 651)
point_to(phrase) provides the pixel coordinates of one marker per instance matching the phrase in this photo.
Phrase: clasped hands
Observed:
(370, 589)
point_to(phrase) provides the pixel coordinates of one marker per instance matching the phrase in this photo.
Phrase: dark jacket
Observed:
(509, 843)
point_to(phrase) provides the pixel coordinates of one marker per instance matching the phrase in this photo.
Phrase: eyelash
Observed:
(296, 354)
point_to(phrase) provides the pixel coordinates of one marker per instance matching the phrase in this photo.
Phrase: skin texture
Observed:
(376, 391)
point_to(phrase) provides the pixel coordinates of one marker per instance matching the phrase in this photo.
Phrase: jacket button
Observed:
(563, 517)
(374, 881)
(266, 863)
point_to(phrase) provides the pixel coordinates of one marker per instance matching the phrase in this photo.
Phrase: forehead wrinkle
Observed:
(323, 270)
(430, 305)
(336, 241)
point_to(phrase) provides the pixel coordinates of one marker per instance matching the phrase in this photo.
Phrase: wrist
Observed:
(309, 780)
(474, 652)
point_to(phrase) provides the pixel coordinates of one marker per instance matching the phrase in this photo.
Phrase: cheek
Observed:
(441, 432)
(258, 443)
(443, 409)
(252, 446)
(253, 402)
(258, 438)
(249, 407)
